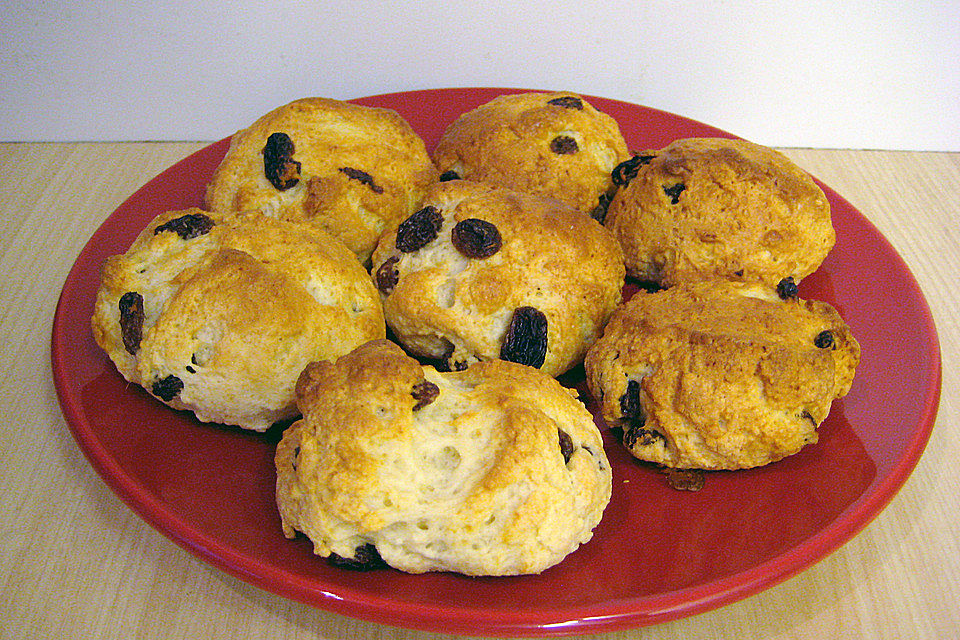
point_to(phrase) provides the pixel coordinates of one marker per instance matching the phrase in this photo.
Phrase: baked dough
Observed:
(218, 314)
(496, 470)
(550, 144)
(704, 208)
(720, 375)
(482, 272)
(351, 170)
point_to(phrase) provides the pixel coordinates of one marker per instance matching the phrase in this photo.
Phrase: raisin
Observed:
(387, 275)
(627, 170)
(419, 229)
(685, 479)
(566, 445)
(187, 226)
(424, 393)
(131, 320)
(449, 175)
(564, 145)
(630, 406)
(636, 435)
(787, 288)
(476, 238)
(824, 340)
(599, 212)
(650, 286)
(365, 558)
(167, 388)
(674, 192)
(525, 341)
(279, 166)
(362, 177)
(568, 102)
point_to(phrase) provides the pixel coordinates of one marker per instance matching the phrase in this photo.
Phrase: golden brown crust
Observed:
(473, 481)
(362, 170)
(511, 142)
(234, 313)
(704, 208)
(448, 306)
(720, 375)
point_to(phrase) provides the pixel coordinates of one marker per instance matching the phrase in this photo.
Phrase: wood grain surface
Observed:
(75, 562)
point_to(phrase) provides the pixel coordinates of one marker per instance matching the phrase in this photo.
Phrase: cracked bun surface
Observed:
(720, 375)
(550, 144)
(482, 272)
(351, 170)
(219, 313)
(704, 208)
(495, 470)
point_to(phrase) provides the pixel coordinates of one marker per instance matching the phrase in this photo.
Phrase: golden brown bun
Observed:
(361, 170)
(704, 208)
(230, 316)
(561, 269)
(720, 375)
(550, 144)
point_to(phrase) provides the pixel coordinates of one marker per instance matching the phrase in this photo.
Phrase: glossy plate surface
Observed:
(658, 554)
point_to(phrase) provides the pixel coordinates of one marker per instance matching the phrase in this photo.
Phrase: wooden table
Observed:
(75, 562)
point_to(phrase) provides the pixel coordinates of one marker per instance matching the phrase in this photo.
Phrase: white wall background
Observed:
(855, 74)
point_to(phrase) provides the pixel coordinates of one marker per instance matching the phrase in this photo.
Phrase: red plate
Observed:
(658, 554)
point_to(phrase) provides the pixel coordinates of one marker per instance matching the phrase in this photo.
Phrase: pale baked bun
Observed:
(496, 470)
(482, 272)
(218, 314)
(720, 375)
(351, 170)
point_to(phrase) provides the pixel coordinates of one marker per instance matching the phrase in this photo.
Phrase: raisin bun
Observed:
(496, 470)
(704, 208)
(551, 144)
(218, 314)
(482, 272)
(351, 170)
(720, 375)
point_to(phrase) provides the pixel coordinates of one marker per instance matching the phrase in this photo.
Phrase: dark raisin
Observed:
(449, 175)
(824, 340)
(649, 286)
(187, 226)
(568, 102)
(190, 369)
(424, 393)
(476, 238)
(635, 435)
(167, 388)
(627, 170)
(387, 275)
(674, 192)
(787, 288)
(365, 558)
(419, 229)
(630, 406)
(685, 479)
(564, 145)
(363, 177)
(131, 320)
(566, 445)
(279, 166)
(525, 341)
(599, 212)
